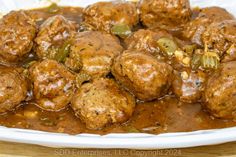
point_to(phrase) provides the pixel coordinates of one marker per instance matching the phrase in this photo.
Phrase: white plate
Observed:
(137, 141)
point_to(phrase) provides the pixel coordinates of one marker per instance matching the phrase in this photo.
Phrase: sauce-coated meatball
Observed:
(53, 34)
(195, 28)
(188, 85)
(53, 85)
(13, 89)
(146, 40)
(142, 74)
(164, 13)
(17, 31)
(220, 36)
(220, 93)
(104, 15)
(93, 53)
(101, 103)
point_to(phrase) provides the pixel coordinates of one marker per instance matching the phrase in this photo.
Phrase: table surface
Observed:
(8, 149)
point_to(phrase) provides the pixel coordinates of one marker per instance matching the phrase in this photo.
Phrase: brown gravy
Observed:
(165, 115)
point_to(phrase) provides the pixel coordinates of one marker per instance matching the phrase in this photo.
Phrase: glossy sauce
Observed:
(164, 115)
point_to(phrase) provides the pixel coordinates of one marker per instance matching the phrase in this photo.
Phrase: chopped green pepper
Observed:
(53, 8)
(167, 45)
(196, 61)
(63, 52)
(121, 30)
(207, 60)
(210, 60)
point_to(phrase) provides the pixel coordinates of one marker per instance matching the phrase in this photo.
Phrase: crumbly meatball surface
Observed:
(93, 52)
(142, 75)
(196, 27)
(13, 89)
(164, 13)
(146, 40)
(53, 36)
(101, 103)
(53, 85)
(220, 36)
(189, 85)
(220, 93)
(17, 31)
(103, 16)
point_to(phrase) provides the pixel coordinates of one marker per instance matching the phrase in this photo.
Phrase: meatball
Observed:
(230, 54)
(164, 13)
(102, 102)
(146, 40)
(13, 89)
(142, 74)
(93, 52)
(17, 31)
(53, 37)
(195, 28)
(220, 36)
(104, 15)
(53, 85)
(188, 85)
(220, 93)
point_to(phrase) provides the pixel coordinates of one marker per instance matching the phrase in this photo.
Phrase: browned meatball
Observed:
(17, 31)
(220, 36)
(146, 40)
(13, 89)
(220, 93)
(93, 52)
(195, 28)
(53, 36)
(53, 85)
(164, 13)
(188, 85)
(101, 103)
(230, 54)
(142, 74)
(104, 15)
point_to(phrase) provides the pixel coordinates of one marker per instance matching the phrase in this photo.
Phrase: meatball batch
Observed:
(220, 93)
(146, 41)
(53, 38)
(220, 36)
(17, 31)
(142, 75)
(196, 27)
(93, 52)
(103, 16)
(13, 89)
(166, 14)
(53, 84)
(102, 102)
(189, 85)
